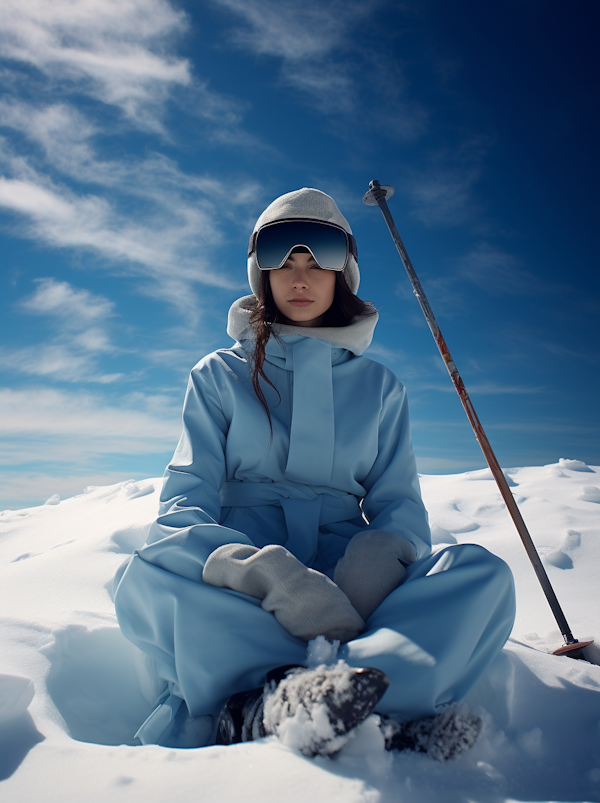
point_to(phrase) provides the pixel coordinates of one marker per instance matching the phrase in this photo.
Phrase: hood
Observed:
(305, 203)
(356, 337)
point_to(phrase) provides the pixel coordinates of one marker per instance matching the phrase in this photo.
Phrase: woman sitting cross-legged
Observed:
(291, 510)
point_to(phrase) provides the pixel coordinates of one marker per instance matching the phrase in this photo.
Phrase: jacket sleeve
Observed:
(393, 501)
(187, 529)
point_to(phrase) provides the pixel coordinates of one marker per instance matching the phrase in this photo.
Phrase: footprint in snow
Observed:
(559, 557)
(25, 556)
(572, 540)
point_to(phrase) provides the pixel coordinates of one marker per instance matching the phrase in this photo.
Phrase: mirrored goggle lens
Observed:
(329, 245)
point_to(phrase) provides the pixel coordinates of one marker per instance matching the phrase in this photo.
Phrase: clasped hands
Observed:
(306, 602)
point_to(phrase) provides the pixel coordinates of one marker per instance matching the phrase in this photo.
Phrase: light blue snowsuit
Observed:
(340, 437)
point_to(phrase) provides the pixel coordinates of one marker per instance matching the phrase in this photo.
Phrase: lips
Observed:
(300, 302)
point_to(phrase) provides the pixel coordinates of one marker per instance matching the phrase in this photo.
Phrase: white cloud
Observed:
(143, 215)
(304, 36)
(291, 30)
(71, 306)
(79, 318)
(114, 49)
(168, 243)
(42, 425)
(57, 360)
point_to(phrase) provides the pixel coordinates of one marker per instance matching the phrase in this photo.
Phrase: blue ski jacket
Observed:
(339, 454)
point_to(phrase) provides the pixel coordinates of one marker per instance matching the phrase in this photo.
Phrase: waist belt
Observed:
(306, 508)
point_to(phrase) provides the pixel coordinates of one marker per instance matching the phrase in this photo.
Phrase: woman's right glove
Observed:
(307, 603)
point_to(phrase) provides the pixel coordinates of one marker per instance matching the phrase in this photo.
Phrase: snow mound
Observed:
(590, 493)
(573, 465)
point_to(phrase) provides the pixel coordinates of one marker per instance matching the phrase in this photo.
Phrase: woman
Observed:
(292, 509)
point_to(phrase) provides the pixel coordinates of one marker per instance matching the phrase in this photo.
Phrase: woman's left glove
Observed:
(307, 603)
(373, 565)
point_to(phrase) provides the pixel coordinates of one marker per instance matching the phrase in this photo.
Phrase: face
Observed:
(302, 291)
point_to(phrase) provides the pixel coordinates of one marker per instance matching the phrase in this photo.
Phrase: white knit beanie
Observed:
(304, 203)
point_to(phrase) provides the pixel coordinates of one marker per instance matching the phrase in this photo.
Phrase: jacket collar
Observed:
(356, 337)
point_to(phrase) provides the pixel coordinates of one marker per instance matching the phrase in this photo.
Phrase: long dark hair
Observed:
(345, 307)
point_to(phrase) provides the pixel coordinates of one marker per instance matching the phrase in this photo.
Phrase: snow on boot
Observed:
(442, 737)
(315, 710)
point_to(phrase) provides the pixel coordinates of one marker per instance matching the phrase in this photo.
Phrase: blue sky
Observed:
(140, 139)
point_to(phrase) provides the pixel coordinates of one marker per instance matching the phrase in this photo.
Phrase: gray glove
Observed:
(372, 567)
(307, 603)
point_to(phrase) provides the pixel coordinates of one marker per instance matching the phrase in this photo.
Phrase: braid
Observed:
(263, 316)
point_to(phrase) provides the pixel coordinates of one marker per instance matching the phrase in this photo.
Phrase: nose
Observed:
(300, 278)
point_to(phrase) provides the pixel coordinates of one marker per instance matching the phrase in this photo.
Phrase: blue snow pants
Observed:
(434, 636)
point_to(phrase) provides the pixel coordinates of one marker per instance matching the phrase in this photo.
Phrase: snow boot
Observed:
(315, 710)
(241, 717)
(312, 710)
(441, 737)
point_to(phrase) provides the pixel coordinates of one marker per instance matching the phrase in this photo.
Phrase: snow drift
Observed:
(73, 738)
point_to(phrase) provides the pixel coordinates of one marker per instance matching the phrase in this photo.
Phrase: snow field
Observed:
(541, 738)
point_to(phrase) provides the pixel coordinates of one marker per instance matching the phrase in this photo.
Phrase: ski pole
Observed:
(377, 195)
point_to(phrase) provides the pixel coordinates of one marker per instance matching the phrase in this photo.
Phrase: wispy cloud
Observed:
(79, 319)
(113, 49)
(494, 271)
(139, 215)
(169, 241)
(43, 425)
(56, 360)
(321, 57)
(60, 441)
(303, 37)
(500, 273)
(442, 190)
(291, 30)
(73, 307)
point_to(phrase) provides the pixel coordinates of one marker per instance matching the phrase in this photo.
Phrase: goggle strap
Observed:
(252, 243)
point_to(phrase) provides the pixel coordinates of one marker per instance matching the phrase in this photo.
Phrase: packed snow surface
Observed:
(69, 736)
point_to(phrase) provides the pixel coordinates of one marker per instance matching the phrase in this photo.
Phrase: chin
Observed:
(304, 321)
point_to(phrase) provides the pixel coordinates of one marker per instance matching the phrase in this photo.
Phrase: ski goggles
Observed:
(329, 244)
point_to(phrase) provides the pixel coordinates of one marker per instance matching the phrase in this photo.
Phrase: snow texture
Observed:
(297, 713)
(540, 739)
